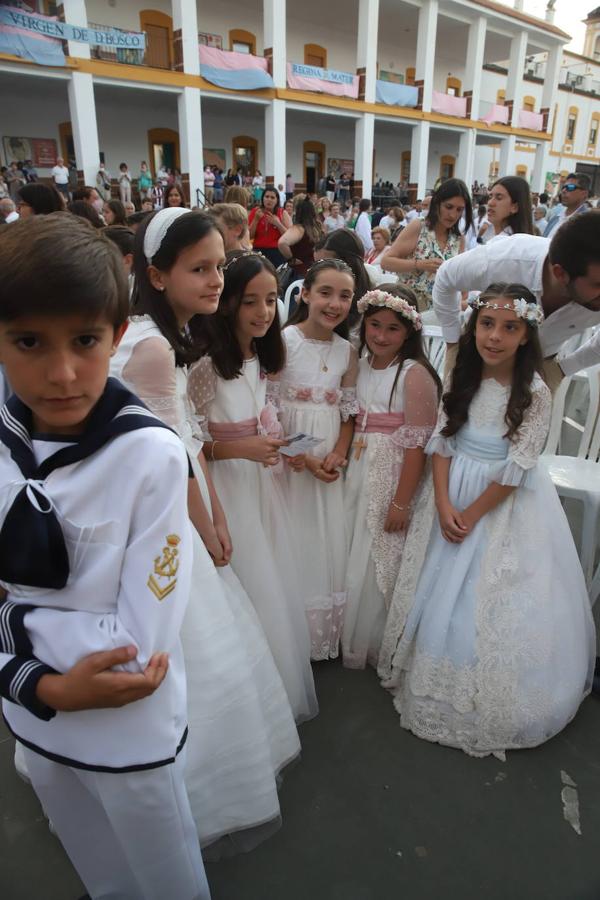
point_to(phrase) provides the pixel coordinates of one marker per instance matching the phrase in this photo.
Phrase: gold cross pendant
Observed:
(359, 446)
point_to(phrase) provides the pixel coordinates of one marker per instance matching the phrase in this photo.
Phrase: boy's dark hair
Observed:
(42, 198)
(123, 166)
(137, 218)
(576, 244)
(183, 232)
(466, 375)
(364, 204)
(220, 341)
(58, 265)
(83, 193)
(452, 187)
(123, 237)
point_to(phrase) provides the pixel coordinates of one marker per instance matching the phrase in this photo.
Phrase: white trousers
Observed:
(131, 836)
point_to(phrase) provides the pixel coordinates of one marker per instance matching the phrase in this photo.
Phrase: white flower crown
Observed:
(523, 309)
(382, 298)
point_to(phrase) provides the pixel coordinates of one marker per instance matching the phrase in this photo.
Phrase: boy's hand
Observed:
(91, 683)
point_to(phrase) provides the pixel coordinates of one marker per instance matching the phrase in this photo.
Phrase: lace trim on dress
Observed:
(349, 404)
(325, 616)
(384, 468)
(409, 437)
(273, 394)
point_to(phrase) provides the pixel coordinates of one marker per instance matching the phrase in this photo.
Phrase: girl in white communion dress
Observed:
(489, 643)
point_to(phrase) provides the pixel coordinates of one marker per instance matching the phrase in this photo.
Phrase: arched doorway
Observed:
(447, 164)
(244, 153)
(67, 145)
(314, 164)
(158, 27)
(163, 149)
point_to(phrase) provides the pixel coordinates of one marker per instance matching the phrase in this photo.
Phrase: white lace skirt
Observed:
(265, 562)
(319, 531)
(375, 555)
(495, 649)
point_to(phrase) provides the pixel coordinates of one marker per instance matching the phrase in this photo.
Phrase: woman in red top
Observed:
(267, 223)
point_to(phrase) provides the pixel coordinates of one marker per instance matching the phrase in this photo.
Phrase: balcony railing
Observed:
(449, 105)
(493, 113)
(123, 55)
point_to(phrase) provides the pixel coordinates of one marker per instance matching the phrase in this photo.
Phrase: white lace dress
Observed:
(492, 646)
(381, 436)
(263, 555)
(241, 728)
(317, 389)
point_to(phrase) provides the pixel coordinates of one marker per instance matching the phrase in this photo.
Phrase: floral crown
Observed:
(382, 298)
(523, 309)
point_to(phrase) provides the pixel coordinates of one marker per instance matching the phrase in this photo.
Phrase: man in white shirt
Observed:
(415, 212)
(564, 275)
(60, 174)
(363, 224)
(574, 199)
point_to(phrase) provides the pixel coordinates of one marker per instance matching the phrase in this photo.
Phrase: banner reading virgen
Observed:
(47, 27)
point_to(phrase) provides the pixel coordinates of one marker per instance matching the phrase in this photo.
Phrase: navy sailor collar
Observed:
(32, 545)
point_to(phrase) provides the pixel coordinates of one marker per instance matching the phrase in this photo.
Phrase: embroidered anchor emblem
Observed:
(165, 566)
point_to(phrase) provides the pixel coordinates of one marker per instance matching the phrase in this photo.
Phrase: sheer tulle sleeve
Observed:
(519, 468)
(349, 401)
(274, 390)
(151, 372)
(201, 390)
(420, 409)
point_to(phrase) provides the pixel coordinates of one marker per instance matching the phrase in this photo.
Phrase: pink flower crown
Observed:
(383, 299)
(523, 309)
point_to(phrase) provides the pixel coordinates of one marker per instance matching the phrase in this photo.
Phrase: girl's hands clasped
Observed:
(454, 527)
(315, 467)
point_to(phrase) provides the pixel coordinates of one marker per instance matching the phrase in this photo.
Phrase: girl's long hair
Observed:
(517, 188)
(306, 216)
(183, 232)
(300, 314)
(467, 373)
(412, 348)
(218, 337)
(452, 187)
(348, 247)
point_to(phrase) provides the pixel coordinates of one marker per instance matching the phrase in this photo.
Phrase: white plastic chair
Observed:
(578, 476)
(435, 347)
(294, 289)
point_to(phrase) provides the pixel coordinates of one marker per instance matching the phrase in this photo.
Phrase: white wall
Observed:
(124, 14)
(37, 107)
(124, 118)
(338, 137)
(220, 124)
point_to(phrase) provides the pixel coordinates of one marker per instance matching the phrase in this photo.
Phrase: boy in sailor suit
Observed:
(95, 562)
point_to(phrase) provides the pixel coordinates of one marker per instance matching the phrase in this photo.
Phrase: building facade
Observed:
(397, 90)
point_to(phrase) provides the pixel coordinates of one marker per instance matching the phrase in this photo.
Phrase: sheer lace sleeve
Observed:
(525, 449)
(201, 390)
(420, 409)
(349, 402)
(151, 372)
(274, 390)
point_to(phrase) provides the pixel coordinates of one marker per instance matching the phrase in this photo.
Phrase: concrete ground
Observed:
(372, 813)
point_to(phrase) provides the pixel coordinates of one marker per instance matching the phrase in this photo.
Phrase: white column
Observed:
(553, 64)
(76, 14)
(190, 139)
(275, 142)
(82, 107)
(516, 70)
(474, 63)
(366, 47)
(185, 18)
(426, 35)
(541, 165)
(274, 38)
(364, 136)
(507, 162)
(419, 152)
(465, 161)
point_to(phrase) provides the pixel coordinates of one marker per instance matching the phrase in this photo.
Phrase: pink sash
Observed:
(383, 423)
(231, 431)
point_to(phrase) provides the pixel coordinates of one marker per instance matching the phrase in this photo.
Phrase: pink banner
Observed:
(496, 114)
(531, 120)
(346, 86)
(227, 59)
(449, 105)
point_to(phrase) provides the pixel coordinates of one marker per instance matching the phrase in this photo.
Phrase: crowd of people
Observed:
(199, 499)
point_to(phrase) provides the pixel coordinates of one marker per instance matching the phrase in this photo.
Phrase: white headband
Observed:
(158, 227)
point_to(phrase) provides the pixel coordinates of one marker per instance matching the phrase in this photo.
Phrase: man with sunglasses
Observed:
(574, 198)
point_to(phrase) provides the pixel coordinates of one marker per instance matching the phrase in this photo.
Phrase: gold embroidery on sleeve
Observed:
(165, 567)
